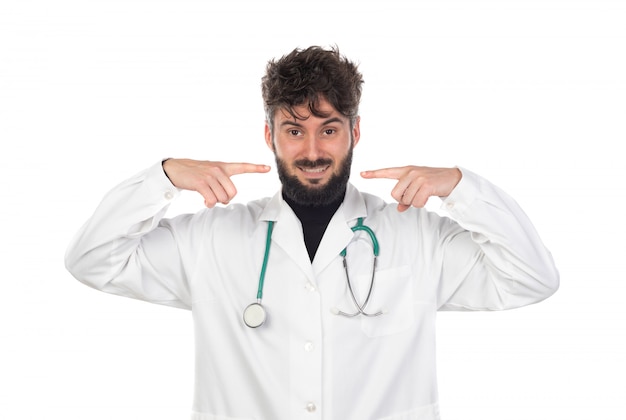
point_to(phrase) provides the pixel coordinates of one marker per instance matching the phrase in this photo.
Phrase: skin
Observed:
(209, 178)
(416, 184)
(310, 138)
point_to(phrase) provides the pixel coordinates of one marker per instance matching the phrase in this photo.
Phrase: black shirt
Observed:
(314, 221)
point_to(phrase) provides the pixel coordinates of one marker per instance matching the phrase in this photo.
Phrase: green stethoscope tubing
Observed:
(360, 226)
(266, 256)
(254, 315)
(361, 307)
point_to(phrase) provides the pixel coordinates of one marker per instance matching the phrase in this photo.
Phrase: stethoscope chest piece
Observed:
(254, 315)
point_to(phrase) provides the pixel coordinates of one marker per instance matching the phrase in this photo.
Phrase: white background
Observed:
(530, 94)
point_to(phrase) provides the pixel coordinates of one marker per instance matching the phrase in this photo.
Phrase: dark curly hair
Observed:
(305, 76)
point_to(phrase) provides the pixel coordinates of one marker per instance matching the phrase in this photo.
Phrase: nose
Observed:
(313, 148)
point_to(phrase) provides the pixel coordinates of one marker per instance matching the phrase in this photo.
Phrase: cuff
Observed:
(464, 194)
(160, 183)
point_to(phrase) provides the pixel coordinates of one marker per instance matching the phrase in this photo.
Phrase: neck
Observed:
(315, 212)
(314, 219)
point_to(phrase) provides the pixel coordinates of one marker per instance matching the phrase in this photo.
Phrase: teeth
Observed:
(315, 170)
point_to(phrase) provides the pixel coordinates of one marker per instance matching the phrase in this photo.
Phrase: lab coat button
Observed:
(309, 346)
(310, 407)
(450, 205)
(168, 195)
(310, 287)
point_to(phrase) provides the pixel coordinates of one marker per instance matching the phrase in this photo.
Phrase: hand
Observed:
(417, 183)
(210, 179)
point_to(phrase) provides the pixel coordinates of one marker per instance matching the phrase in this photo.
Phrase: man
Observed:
(318, 302)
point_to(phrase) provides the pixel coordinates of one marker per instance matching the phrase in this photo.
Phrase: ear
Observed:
(268, 137)
(356, 131)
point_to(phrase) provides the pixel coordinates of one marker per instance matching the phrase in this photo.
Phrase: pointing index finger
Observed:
(387, 173)
(236, 168)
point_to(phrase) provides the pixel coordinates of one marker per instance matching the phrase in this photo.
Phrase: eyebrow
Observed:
(297, 124)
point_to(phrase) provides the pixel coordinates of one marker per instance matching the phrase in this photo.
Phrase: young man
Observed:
(318, 302)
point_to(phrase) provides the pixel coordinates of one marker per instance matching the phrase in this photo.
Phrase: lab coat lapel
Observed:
(287, 233)
(338, 234)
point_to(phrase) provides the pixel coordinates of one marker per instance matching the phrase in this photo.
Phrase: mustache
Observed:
(306, 163)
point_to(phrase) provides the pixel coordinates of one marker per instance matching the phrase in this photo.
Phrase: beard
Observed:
(315, 195)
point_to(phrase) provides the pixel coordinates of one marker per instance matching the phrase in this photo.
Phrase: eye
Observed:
(294, 132)
(330, 131)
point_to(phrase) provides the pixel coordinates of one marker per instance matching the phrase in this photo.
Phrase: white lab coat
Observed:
(306, 362)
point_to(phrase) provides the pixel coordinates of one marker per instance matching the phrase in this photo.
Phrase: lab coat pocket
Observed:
(393, 294)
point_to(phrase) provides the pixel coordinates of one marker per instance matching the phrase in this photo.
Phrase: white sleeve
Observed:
(495, 259)
(124, 250)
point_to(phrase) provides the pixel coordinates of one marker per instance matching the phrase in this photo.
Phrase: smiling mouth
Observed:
(315, 170)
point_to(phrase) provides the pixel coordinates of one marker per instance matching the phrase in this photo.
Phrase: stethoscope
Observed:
(255, 315)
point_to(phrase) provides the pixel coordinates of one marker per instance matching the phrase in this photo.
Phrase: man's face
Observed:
(313, 154)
